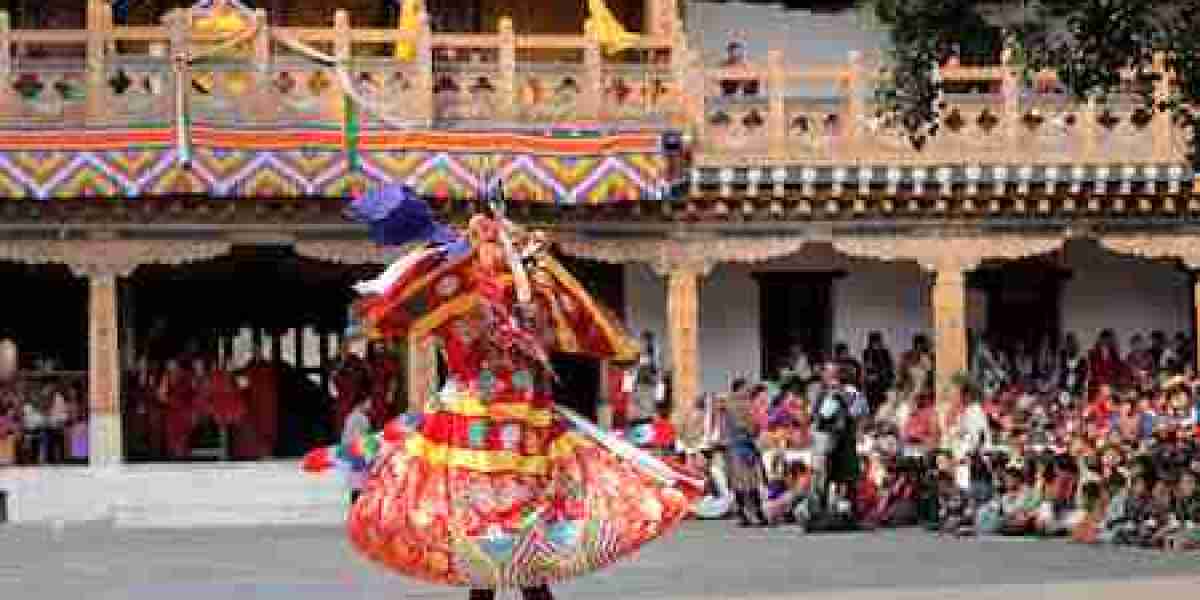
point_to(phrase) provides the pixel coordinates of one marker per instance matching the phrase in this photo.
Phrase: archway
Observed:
(259, 307)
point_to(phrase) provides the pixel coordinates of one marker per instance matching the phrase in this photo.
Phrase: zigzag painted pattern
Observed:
(219, 172)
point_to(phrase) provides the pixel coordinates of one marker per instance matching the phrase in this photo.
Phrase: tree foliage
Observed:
(1089, 43)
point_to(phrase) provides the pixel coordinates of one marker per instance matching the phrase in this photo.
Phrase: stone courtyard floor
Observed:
(704, 560)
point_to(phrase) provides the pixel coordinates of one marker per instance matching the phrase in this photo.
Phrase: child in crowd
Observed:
(1125, 510)
(1186, 513)
(787, 492)
(956, 511)
(1094, 503)
(1158, 520)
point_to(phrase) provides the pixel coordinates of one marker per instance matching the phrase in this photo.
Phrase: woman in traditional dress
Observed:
(915, 380)
(495, 486)
(743, 460)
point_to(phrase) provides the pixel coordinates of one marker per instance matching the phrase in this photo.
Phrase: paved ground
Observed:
(705, 560)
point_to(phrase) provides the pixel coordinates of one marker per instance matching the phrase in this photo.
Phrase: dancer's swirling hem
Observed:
(494, 486)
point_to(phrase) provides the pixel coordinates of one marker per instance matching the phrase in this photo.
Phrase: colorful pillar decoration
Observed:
(183, 121)
(351, 133)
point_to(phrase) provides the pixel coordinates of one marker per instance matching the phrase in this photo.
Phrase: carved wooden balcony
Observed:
(757, 128)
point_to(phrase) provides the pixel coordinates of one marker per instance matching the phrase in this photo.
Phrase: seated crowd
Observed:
(1098, 446)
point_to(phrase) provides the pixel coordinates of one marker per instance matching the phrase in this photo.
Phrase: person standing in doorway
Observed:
(177, 392)
(57, 418)
(880, 371)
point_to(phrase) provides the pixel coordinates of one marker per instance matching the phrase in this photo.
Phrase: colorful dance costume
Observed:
(493, 486)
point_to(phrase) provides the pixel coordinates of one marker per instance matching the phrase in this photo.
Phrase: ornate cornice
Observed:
(949, 254)
(110, 258)
(960, 253)
(699, 254)
(352, 252)
(1156, 246)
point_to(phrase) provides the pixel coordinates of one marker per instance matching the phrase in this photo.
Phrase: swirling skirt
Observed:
(434, 517)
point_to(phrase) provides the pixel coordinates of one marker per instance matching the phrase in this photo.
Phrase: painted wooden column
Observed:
(104, 371)
(950, 338)
(683, 317)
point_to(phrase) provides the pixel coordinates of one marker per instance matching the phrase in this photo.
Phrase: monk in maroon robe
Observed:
(384, 372)
(1105, 367)
(262, 396)
(228, 404)
(145, 412)
(177, 394)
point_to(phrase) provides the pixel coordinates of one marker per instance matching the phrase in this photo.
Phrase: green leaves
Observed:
(923, 32)
(1089, 43)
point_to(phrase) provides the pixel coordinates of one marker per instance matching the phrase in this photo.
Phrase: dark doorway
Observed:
(605, 282)
(1023, 303)
(795, 307)
(578, 386)
(46, 315)
(580, 376)
(290, 306)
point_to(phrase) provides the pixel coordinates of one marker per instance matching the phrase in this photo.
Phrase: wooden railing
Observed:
(757, 112)
(761, 113)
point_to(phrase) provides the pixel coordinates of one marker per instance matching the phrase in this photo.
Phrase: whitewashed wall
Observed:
(891, 298)
(1106, 290)
(1124, 293)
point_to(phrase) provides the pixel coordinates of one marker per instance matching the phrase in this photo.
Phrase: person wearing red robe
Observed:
(177, 394)
(351, 382)
(145, 412)
(619, 398)
(262, 396)
(227, 402)
(1105, 367)
(384, 371)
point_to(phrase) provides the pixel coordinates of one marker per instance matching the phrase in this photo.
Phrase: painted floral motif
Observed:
(510, 437)
(487, 384)
(522, 381)
(478, 433)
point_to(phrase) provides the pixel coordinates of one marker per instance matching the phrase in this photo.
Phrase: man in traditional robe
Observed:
(177, 394)
(384, 369)
(262, 395)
